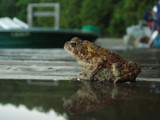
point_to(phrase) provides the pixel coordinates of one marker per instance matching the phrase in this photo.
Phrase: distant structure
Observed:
(7, 23)
(55, 13)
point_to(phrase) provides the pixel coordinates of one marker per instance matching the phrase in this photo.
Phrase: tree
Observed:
(70, 14)
(7, 8)
(111, 16)
(97, 13)
(22, 6)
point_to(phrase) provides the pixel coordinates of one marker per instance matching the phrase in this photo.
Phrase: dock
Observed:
(56, 64)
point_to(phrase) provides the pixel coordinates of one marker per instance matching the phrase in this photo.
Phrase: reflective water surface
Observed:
(75, 100)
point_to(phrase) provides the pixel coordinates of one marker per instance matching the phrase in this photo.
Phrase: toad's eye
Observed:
(73, 44)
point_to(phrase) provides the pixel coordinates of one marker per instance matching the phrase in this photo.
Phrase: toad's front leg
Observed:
(89, 72)
(81, 76)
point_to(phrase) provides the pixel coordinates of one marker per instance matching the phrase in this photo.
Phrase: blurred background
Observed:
(110, 16)
(34, 82)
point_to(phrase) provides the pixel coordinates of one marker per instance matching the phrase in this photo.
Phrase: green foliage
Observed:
(111, 16)
(22, 5)
(7, 8)
(97, 13)
(70, 14)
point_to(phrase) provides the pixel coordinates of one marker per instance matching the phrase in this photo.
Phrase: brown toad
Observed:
(100, 63)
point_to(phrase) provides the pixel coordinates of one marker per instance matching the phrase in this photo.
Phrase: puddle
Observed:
(70, 100)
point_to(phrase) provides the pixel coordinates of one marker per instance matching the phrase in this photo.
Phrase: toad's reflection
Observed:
(93, 96)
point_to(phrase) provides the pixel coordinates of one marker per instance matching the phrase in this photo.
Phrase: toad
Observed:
(101, 64)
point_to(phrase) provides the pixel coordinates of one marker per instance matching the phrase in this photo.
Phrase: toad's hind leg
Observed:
(126, 72)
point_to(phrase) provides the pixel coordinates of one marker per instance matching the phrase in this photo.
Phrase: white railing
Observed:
(55, 13)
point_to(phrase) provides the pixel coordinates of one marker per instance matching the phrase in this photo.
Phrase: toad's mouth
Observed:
(66, 46)
(68, 49)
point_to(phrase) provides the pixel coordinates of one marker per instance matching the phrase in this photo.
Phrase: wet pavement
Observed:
(75, 100)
